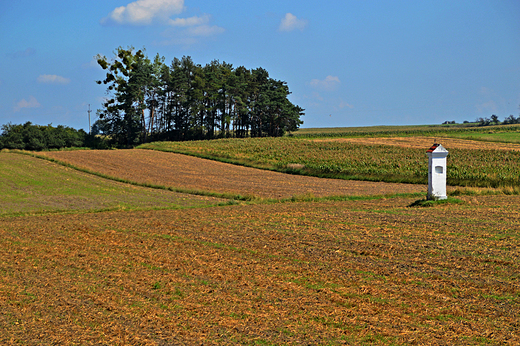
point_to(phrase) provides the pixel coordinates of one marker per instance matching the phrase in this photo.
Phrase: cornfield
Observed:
(466, 167)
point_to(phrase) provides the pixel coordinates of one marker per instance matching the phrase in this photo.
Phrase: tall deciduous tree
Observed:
(124, 109)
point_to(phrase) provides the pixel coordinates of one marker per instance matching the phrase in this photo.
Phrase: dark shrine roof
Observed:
(433, 147)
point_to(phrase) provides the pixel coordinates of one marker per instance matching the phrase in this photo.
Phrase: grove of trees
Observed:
(37, 137)
(150, 100)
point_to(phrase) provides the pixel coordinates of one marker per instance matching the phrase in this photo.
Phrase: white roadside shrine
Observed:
(437, 172)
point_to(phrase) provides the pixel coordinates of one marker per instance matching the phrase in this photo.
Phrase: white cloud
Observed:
(32, 103)
(189, 21)
(329, 83)
(52, 79)
(290, 23)
(144, 12)
(184, 31)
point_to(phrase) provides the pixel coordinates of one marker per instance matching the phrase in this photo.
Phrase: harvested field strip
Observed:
(453, 131)
(131, 182)
(191, 173)
(352, 272)
(30, 185)
(426, 142)
(483, 165)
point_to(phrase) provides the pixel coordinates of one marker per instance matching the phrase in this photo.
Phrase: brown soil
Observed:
(364, 272)
(174, 170)
(426, 142)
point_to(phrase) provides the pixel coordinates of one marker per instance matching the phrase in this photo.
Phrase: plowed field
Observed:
(354, 272)
(174, 170)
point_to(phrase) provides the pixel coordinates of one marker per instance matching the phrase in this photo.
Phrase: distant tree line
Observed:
(36, 137)
(150, 100)
(494, 120)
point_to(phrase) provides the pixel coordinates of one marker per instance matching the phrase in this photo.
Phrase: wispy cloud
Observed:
(191, 21)
(343, 104)
(317, 96)
(189, 36)
(290, 22)
(32, 103)
(328, 84)
(52, 79)
(22, 53)
(190, 31)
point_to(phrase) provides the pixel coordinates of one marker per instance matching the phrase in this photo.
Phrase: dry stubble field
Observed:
(354, 272)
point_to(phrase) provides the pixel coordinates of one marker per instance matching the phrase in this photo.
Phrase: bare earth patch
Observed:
(175, 170)
(426, 142)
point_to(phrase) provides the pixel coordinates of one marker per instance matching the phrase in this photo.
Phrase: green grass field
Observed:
(30, 185)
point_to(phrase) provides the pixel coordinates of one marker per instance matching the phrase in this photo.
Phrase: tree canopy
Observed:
(150, 100)
(36, 137)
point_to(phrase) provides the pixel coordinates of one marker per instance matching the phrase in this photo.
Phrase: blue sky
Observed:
(348, 63)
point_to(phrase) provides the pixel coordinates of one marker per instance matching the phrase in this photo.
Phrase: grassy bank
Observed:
(32, 186)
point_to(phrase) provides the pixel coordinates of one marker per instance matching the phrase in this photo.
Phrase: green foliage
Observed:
(511, 120)
(36, 137)
(183, 101)
(495, 121)
(121, 113)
